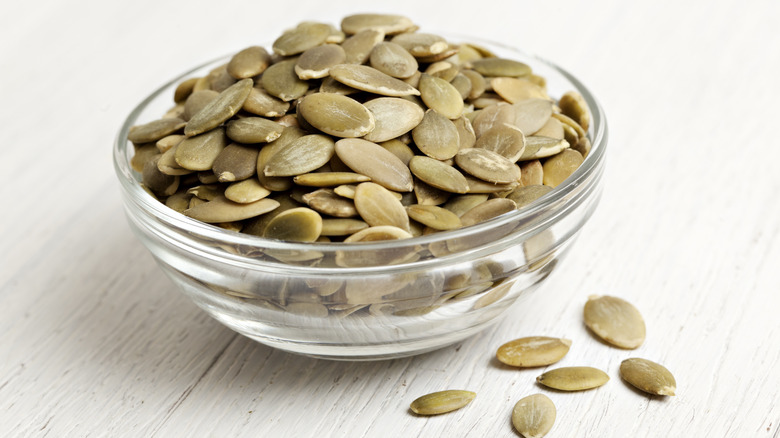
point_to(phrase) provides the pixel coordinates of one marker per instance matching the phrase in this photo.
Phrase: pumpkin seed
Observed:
(302, 155)
(337, 115)
(377, 206)
(514, 89)
(178, 201)
(542, 147)
(280, 80)
(155, 130)
(532, 114)
(505, 140)
(531, 173)
(326, 201)
(197, 101)
(359, 46)
(533, 351)
(158, 182)
(296, 225)
(376, 162)
(466, 136)
(315, 63)
(305, 36)
(386, 23)
(392, 59)
(573, 378)
(441, 402)
(399, 149)
(342, 227)
(167, 164)
(553, 129)
(568, 121)
(583, 147)
(235, 163)
(221, 209)
(487, 165)
(382, 232)
(494, 115)
(500, 67)
(487, 210)
(249, 62)
(436, 136)
(184, 90)
(428, 195)
(441, 96)
(166, 143)
(650, 377)
(438, 174)
(200, 152)
(560, 166)
(253, 130)
(462, 84)
(434, 217)
(207, 192)
(477, 185)
(478, 83)
(329, 179)
(372, 80)
(443, 70)
(246, 191)
(534, 416)
(421, 44)
(393, 117)
(573, 105)
(448, 52)
(263, 104)
(614, 320)
(528, 194)
(463, 203)
(225, 106)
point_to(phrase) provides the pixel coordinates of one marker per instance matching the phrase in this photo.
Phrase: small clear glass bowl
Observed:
(368, 300)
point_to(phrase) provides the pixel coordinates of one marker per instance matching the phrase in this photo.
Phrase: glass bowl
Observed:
(367, 300)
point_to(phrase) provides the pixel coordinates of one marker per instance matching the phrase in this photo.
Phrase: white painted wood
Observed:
(95, 341)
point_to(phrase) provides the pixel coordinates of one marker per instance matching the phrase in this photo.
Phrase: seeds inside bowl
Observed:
(375, 102)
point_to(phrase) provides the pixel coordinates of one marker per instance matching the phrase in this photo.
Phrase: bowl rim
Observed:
(593, 162)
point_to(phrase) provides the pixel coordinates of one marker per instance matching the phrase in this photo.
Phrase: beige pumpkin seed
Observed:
(363, 77)
(615, 320)
(302, 155)
(573, 105)
(329, 179)
(305, 36)
(542, 147)
(533, 351)
(244, 192)
(263, 104)
(478, 83)
(315, 63)
(342, 227)
(252, 130)
(295, 225)
(421, 44)
(477, 185)
(434, 217)
(166, 143)
(443, 70)
(438, 174)
(514, 89)
(207, 192)
(376, 162)
(386, 23)
(436, 136)
(487, 165)
(378, 233)
(399, 149)
(463, 203)
(528, 194)
(463, 84)
(500, 67)
(167, 164)
(532, 114)
(441, 402)
(326, 201)
(494, 115)
(178, 201)
(158, 182)
(197, 101)
(280, 80)
(256, 225)
(503, 139)
(568, 121)
(534, 416)
(553, 129)
(393, 117)
(466, 136)
(225, 106)
(154, 130)
(200, 152)
(560, 166)
(429, 195)
(358, 47)
(337, 115)
(235, 163)
(648, 376)
(221, 209)
(330, 85)
(184, 90)
(377, 206)
(487, 210)
(249, 62)
(531, 173)
(573, 378)
(392, 59)
(441, 96)
(583, 146)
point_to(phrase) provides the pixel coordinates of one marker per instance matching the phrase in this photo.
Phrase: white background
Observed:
(95, 341)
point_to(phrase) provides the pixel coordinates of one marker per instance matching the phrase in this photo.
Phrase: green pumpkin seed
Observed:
(377, 233)
(532, 114)
(377, 206)
(616, 321)
(648, 376)
(155, 130)
(573, 378)
(573, 105)
(244, 192)
(263, 104)
(248, 63)
(372, 80)
(329, 179)
(513, 89)
(392, 59)
(494, 115)
(184, 90)
(337, 115)
(393, 117)
(178, 201)
(441, 402)
(206, 192)
(531, 173)
(443, 70)
(280, 80)
(302, 155)
(386, 23)
(528, 194)
(505, 140)
(500, 67)
(434, 217)
(326, 201)
(305, 36)
(225, 106)
(158, 182)
(235, 163)
(438, 174)
(487, 210)
(487, 165)
(441, 96)
(376, 162)
(342, 227)
(421, 44)
(295, 225)
(253, 130)
(256, 225)
(477, 185)
(542, 147)
(166, 143)
(200, 152)
(560, 166)
(358, 47)
(221, 209)
(197, 101)
(315, 63)
(436, 136)
(167, 164)
(463, 203)
(534, 416)
(429, 195)
(289, 135)
(220, 80)
(533, 351)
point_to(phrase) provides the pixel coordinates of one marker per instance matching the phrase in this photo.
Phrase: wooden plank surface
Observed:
(96, 341)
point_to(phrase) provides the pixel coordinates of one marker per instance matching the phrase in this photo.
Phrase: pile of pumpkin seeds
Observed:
(373, 131)
(613, 320)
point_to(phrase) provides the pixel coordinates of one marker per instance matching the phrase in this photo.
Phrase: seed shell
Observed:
(533, 351)
(615, 320)
(573, 378)
(487, 210)
(650, 377)
(441, 402)
(534, 416)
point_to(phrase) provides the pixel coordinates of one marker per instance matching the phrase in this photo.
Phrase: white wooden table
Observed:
(95, 341)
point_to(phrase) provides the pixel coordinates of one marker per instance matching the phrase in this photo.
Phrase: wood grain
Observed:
(96, 341)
